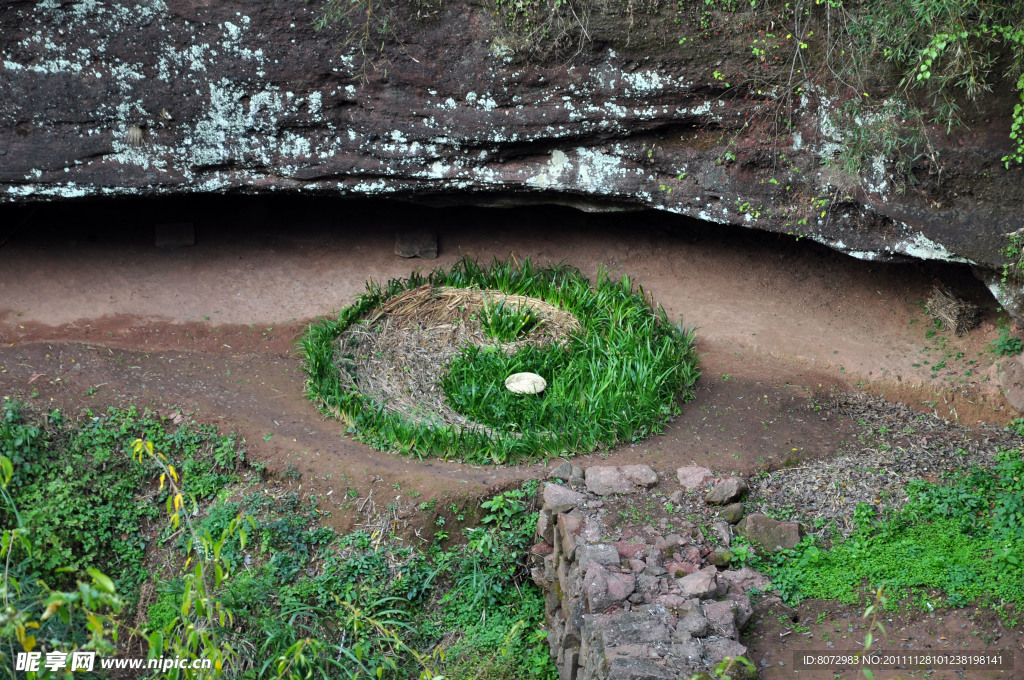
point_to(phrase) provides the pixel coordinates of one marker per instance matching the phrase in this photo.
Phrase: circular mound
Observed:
(420, 365)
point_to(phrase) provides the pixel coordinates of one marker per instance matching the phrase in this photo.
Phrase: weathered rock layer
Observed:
(181, 96)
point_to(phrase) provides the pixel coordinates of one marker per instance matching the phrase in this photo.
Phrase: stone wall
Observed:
(636, 607)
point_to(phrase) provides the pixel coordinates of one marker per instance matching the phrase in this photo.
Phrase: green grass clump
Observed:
(77, 486)
(619, 379)
(963, 538)
(505, 322)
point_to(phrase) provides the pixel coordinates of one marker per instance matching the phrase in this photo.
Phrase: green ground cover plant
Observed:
(1006, 345)
(958, 541)
(241, 573)
(621, 378)
(76, 487)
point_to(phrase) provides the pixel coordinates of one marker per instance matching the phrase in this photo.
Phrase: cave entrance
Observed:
(765, 304)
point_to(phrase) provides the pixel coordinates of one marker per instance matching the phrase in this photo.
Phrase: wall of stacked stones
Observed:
(649, 606)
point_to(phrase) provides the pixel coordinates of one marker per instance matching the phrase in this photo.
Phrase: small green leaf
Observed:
(101, 580)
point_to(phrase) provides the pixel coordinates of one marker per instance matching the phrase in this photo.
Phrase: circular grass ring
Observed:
(616, 369)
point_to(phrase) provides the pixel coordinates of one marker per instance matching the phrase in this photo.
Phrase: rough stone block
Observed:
(604, 554)
(727, 491)
(679, 569)
(569, 524)
(551, 602)
(716, 649)
(744, 610)
(648, 583)
(744, 579)
(637, 565)
(574, 622)
(545, 528)
(687, 651)
(416, 243)
(721, 618)
(626, 668)
(1011, 379)
(570, 665)
(564, 584)
(630, 549)
(639, 627)
(674, 541)
(702, 584)
(641, 475)
(605, 480)
(595, 589)
(562, 471)
(694, 625)
(722, 532)
(693, 478)
(653, 557)
(721, 557)
(732, 513)
(770, 534)
(558, 498)
(620, 586)
(556, 633)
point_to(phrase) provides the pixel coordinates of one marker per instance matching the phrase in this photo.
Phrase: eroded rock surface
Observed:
(186, 96)
(771, 534)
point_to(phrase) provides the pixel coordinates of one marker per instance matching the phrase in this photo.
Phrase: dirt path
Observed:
(92, 314)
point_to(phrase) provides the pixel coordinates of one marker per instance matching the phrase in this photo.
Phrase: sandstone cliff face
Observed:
(185, 96)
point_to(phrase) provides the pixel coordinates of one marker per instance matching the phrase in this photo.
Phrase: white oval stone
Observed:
(525, 383)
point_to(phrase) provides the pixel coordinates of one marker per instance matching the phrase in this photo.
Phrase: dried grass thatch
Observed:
(957, 315)
(399, 354)
(444, 306)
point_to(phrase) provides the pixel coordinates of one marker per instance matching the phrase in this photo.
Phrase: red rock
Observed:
(727, 491)
(569, 524)
(722, 617)
(693, 478)
(744, 579)
(679, 569)
(628, 550)
(605, 480)
(641, 475)
(701, 584)
(61, 120)
(558, 498)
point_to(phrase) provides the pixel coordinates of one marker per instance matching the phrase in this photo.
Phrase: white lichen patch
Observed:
(923, 248)
(245, 128)
(599, 172)
(551, 175)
